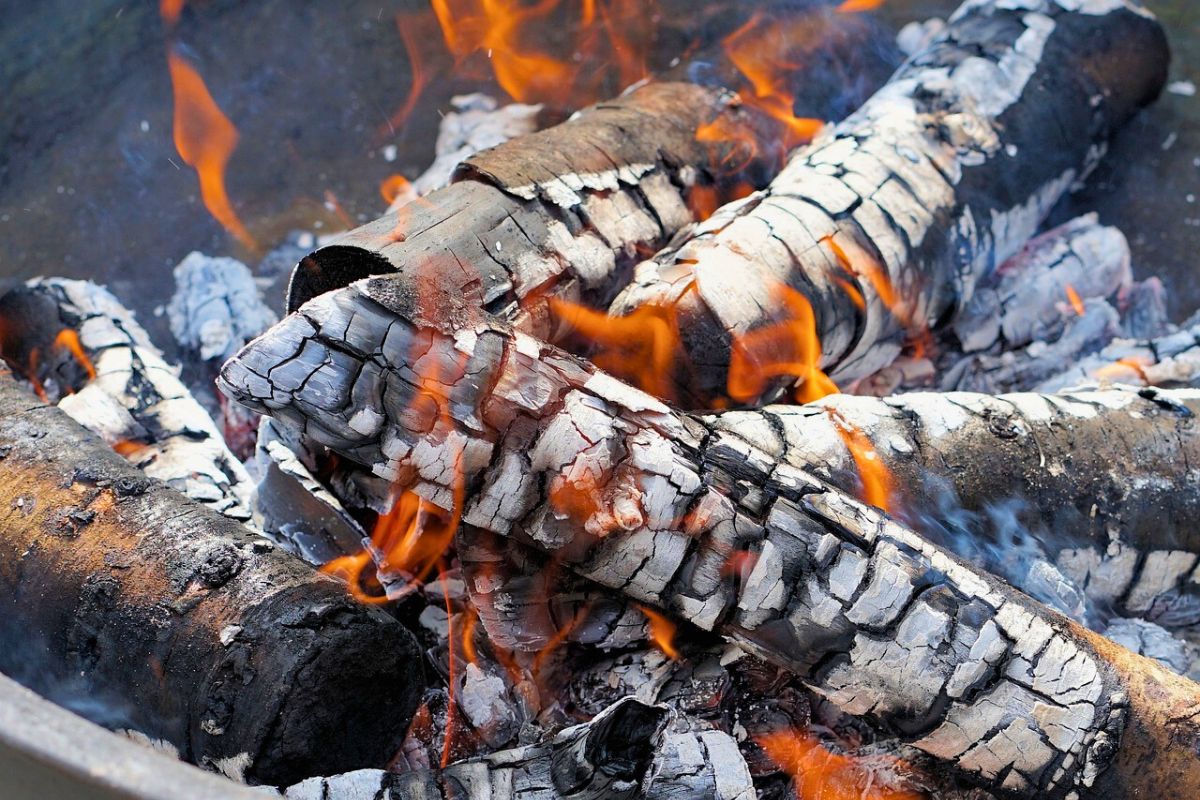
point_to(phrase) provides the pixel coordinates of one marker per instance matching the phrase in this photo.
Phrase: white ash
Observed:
(1153, 641)
(216, 307)
(475, 123)
(916, 36)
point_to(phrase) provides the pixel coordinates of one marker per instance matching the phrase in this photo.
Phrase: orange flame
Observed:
(205, 139)
(406, 25)
(642, 348)
(820, 774)
(1120, 369)
(768, 53)
(1075, 300)
(170, 10)
(503, 29)
(662, 631)
(857, 6)
(393, 186)
(920, 338)
(788, 348)
(878, 484)
(68, 339)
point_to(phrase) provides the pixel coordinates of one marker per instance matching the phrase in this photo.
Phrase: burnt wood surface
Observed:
(946, 172)
(998, 688)
(146, 610)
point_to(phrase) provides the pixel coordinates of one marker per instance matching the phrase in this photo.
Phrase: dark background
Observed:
(91, 184)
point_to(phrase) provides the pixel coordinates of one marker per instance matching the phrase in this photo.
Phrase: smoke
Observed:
(996, 538)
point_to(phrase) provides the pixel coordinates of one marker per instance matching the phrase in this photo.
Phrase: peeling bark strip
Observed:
(163, 616)
(943, 174)
(627, 752)
(702, 524)
(560, 212)
(136, 402)
(1109, 475)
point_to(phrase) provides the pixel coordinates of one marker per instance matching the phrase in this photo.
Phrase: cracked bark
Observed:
(150, 611)
(942, 175)
(885, 624)
(567, 211)
(629, 751)
(135, 401)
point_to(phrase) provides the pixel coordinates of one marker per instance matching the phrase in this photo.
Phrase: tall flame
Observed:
(407, 25)
(205, 139)
(787, 348)
(820, 774)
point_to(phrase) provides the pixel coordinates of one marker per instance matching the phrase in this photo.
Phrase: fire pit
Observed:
(748, 408)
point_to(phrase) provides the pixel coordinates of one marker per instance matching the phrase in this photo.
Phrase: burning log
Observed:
(884, 227)
(80, 346)
(629, 751)
(1103, 475)
(567, 211)
(562, 211)
(655, 504)
(159, 614)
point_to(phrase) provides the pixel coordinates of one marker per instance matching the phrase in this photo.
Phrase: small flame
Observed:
(878, 484)
(407, 25)
(642, 348)
(127, 447)
(1121, 369)
(865, 266)
(170, 10)
(205, 139)
(662, 631)
(68, 339)
(1075, 300)
(448, 740)
(858, 6)
(769, 53)
(787, 348)
(394, 186)
(820, 774)
(502, 29)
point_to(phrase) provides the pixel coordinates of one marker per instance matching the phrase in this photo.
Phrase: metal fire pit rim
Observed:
(48, 752)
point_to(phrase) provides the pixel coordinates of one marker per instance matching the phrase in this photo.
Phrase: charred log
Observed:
(886, 225)
(885, 624)
(165, 617)
(108, 376)
(1170, 360)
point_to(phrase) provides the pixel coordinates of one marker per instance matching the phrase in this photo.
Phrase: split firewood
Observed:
(85, 351)
(883, 228)
(1169, 360)
(993, 685)
(155, 613)
(629, 751)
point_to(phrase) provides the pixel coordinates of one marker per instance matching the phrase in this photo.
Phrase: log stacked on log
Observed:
(885, 226)
(998, 688)
(76, 341)
(163, 616)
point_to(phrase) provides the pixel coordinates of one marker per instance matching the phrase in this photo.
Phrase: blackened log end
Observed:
(341, 680)
(332, 267)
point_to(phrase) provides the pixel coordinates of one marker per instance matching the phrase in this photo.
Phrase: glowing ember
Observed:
(788, 348)
(662, 632)
(878, 485)
(819, 774)
(1075, 300)
(205, 139)
(641, 348)
(1124, 369)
